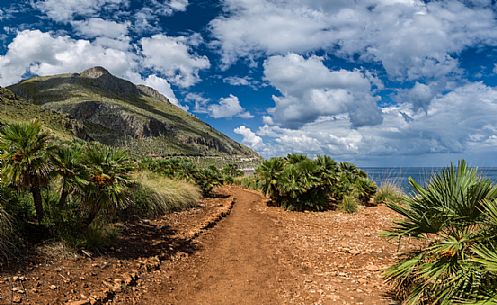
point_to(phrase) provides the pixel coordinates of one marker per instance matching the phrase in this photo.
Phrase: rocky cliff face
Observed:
(115, 111)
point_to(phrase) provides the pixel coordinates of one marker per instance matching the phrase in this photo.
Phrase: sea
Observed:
(400, 175)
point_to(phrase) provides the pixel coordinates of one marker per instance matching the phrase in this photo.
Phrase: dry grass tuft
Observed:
(156, 195)
(389, 192)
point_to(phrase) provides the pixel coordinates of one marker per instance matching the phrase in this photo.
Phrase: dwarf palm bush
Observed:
(301, 188)
(25, 166)
(454, 215)
(109, 172)
(299, 183)
(268, 175)
(67, 161)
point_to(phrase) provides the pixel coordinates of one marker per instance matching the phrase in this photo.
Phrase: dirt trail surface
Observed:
(255, 255)
(264, 255)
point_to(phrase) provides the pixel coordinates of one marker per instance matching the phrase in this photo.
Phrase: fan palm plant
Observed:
(268, 174)
(67, 162)
(450, 215)
(25, 163)
(300, 186)
(109, 172)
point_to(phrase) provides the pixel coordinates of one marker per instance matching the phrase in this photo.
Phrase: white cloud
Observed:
(460, 122)
(163, 87)
(172, 56)
(228, 107)
(237, 81)
(43, 54)
(310, 91)
(411, 38)
(249, 137)
(169, 7)
(419, 96)
(98, 27)
(199, 100)
(65, 10)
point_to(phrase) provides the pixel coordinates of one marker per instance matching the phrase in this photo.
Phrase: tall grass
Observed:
(389, 192)
(154, 195)
(6, 232)
(348, 204)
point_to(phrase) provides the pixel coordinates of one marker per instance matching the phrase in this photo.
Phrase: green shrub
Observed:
(184, 169)
(109, 172)
(299, 183)
(388, 192)
(348, 204)
(25, 150)
(6, 233)
(456, 217)
(249, 182)
(230, 172)
(209, 178)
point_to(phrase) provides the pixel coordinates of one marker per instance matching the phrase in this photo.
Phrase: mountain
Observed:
(14, 109)
(117, 112)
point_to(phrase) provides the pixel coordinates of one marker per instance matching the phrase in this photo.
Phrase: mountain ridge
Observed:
(117, 112)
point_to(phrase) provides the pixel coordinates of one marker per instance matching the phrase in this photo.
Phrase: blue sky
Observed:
(378, 82)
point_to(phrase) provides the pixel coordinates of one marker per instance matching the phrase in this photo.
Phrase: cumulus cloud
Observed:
(228, 107)
(199, 100)
(169, 7)
(36, 52)
(249, 137)
(419, 96)
(173, 57)
(98, 27)
(310, 91)
(473, 106)
(412, 39)
(65, 10)
(163, 87)
(39, 53)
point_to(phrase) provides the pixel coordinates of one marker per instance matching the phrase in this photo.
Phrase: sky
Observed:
(376, 82)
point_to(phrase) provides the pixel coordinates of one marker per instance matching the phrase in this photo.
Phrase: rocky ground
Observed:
(256, 255)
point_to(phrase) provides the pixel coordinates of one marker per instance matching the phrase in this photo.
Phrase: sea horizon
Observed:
(399, 175)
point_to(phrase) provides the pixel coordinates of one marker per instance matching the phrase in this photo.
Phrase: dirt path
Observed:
(261, 255)
(238, 262)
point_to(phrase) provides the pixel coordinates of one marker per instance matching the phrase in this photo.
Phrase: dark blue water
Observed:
(400, 175)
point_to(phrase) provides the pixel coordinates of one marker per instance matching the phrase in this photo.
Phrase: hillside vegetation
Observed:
(117, 112)
(75, 191)
(296, 182)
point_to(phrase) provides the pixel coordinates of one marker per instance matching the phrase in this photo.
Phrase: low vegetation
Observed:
(389, 192)
(75, 191)
(296, 182)
(157, 195)
(455, 217)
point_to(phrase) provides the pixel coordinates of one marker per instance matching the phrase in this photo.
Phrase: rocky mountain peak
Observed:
(103, 79)
(95, 72)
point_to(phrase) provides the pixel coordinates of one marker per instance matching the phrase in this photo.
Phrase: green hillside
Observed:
(119, 113)
(15, 109)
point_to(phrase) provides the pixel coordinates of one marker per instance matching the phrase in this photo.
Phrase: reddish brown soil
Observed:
(256, 255)
(52, 274)
(264, 255)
